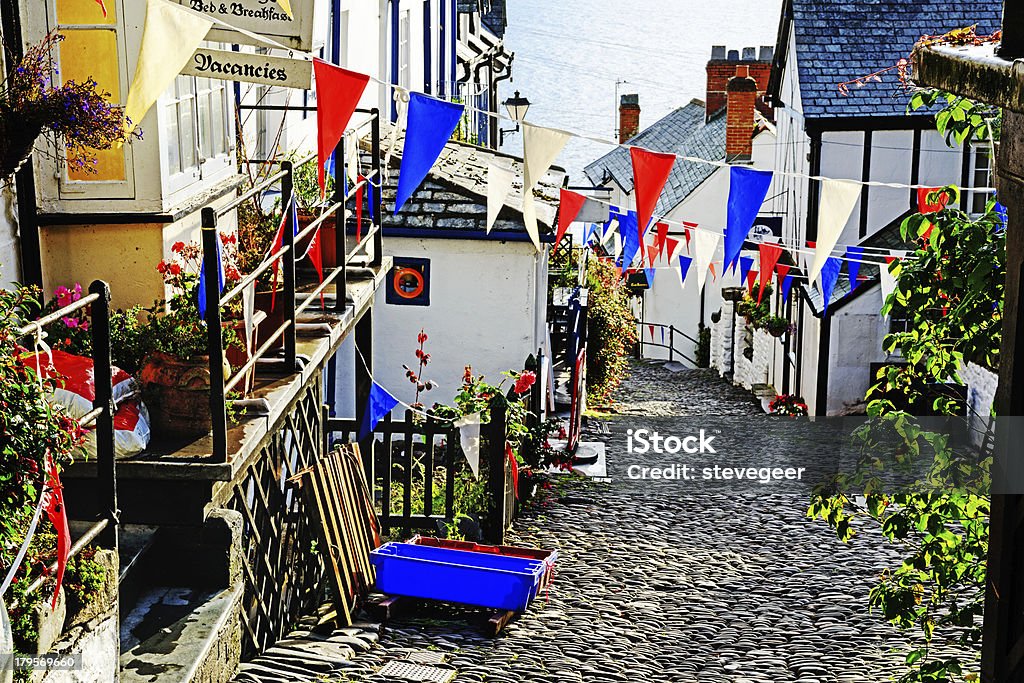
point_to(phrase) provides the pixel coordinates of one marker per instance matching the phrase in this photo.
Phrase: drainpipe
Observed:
(496, 122)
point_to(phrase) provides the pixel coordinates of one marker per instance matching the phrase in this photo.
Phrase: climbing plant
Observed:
(612, 330)
(916, 488)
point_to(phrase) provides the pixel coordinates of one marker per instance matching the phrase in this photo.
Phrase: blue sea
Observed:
(570, 53)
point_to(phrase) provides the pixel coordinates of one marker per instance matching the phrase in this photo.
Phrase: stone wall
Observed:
(721, 340)
(981, 393)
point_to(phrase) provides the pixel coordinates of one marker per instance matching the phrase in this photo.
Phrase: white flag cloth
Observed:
(469, 438)
(499, 184)
(541, 146)
(617, 241)
(838, 197)
(705, 246)
(170, 37)
(286, 5)
(248, 317)
(887, 281)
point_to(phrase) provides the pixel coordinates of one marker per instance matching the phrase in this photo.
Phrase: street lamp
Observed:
(517, 106)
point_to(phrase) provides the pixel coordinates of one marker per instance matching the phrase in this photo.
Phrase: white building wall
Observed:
(484, 311)
(855, 342)
(10, 261)
(981, 394)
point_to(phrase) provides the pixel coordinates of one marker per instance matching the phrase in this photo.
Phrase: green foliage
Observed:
(960, 119)
(703, 346)
(759, 315)
(612, 331)
(306, 185)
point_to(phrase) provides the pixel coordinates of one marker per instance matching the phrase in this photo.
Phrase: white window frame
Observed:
(404, 49)
(981, 176)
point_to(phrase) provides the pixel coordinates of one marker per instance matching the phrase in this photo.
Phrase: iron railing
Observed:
(366, 252)
(673, 332)
(101, 417)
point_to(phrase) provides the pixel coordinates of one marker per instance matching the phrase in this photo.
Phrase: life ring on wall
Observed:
(409, 283)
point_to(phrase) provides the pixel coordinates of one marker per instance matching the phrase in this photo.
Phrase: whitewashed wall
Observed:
(981, 394)
(10, 261)
(484, 311)
(856, 335)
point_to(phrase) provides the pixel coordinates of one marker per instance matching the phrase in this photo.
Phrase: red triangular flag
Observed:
(515, 469)
(889, 259)
(782, 271)
(661, 237)
(770, 255)
(337, 95)
(58, 516)
(650, 173)
(316, 257)
(652, 253)
(714, 275)
(278, 243)
(689, 227)
(670, 247)
(751, 278)
(651, 327)
(569, 207)
(102, 7)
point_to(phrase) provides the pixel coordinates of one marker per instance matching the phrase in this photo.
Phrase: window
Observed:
(197, 129)
(404, 28)
(981, 177)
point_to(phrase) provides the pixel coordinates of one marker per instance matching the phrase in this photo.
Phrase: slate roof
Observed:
(496, 18)
(682, 132)
(454, 194)
(839, 40)
(887, 238)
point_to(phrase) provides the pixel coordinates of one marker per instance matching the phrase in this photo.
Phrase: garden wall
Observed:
(981, 393)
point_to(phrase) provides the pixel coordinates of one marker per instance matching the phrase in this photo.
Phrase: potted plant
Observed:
(788, 404)
(175, 372)
(777, 326)
(257, 229)
(78, 114)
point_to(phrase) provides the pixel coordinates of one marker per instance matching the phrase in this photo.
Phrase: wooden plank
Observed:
(497, 622)
(327, 539)
(386, 475)
(407, 493)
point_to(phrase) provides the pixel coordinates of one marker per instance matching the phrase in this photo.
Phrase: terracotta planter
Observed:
(177, 394)
(328, 242)
(272, 305)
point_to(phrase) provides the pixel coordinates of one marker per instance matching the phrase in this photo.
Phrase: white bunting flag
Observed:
(286, 5)
(705, 246)
(469, 438)
(499, 184)
(170, 37)
(617, 241)
(887, 281)
(838, 197)
(541, 146)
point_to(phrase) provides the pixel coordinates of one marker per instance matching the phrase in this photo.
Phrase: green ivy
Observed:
(612, 331)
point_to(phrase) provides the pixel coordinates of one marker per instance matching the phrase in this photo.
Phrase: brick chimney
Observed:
(629, 117)
(727, 64)
(741, 97)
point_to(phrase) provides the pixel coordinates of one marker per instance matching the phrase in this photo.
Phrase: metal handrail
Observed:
(221, 384)
(671, 346)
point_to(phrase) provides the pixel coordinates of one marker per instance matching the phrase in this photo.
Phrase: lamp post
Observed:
(517, 106)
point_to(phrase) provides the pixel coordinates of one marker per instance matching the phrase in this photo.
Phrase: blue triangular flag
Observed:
(854, 256)
(684, 267)
(201, 294)
(662, 335)
(380, 404)
(431, 123)
(747, 190)
(1003, 214)
(650, 276)
(829, 277)
(630, 239)
(589, 232)
(746, 263)
(787, 285)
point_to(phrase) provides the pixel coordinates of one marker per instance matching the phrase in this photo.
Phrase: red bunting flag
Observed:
(661, 238)
(316, 257)
(751, 279)
(689, 227)
(58, 516)
(650, 173)
(569, 207)
(670, 248)
(770, 255)
(102, 7)
(782, 271)
(652, 253)
(338, 92)
(651, 327)
(515, 469)
(714, 275)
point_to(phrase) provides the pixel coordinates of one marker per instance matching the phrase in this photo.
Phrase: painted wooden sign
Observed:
(263, 17)
(225, 65)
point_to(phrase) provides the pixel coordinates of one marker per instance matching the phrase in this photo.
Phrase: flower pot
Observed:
(16, 142)
(328, 242)
(177, 394)
(270, 304)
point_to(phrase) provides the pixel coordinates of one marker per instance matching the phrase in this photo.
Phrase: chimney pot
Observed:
(767, 53)
(749, 54)
(718, 52)
(629, 116)
(734, 56)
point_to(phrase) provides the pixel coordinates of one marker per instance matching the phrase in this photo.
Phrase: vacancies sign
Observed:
(251, 68)
(263, 17)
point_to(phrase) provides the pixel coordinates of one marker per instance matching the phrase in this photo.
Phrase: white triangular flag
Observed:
(705, 245)
(469, 438)
(499, 184)
(838, 197)
(541, 146)
(617, 241)
(887, 281)
(170, 37)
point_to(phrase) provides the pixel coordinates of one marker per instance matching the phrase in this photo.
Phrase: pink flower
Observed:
(524, 382)
(71, 322)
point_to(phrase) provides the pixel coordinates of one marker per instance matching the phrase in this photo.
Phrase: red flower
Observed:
(175, 269)
(421, 337)
(161, 267)
(524, 382)
(177, 247)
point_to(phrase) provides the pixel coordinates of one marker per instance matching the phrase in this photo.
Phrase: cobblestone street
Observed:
(657, 584)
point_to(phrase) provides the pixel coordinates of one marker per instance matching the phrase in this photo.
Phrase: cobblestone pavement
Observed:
(660, 583)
